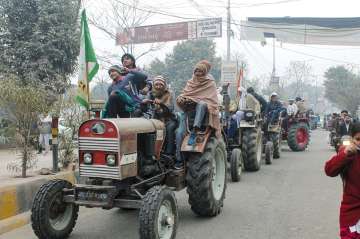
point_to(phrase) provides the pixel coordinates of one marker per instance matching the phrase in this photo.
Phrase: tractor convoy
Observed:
(122, 164)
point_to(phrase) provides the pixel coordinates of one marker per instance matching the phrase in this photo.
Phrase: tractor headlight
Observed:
(111, 160)
(249, 116)
(88, 158)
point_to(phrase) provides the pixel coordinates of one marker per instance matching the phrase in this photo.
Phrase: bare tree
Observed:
(117, 15)
(298, 74)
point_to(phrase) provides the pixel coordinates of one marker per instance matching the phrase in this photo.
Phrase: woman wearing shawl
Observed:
(200, 94)
(162, 97)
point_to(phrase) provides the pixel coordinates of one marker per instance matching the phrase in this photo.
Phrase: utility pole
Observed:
(274, 67)
(228, 32)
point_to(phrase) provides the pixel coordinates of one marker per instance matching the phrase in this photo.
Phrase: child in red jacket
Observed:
(347, 164)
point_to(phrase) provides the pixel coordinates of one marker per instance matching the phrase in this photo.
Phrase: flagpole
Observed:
(87, 88)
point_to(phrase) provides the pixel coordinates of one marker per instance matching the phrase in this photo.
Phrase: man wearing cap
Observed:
(300, 103)
(273, 109)
(163, 100)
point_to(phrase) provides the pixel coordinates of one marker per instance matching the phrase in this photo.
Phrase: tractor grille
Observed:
(102, 144)
(99, 171)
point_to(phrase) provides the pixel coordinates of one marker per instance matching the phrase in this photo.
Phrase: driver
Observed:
(162, 97)
(200, 97)
(273, 109)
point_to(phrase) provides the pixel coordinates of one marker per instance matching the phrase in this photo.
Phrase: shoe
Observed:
(178, 166)
(192, 139)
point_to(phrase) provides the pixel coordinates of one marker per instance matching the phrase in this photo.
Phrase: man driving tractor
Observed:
(199, 99)
(162, 98)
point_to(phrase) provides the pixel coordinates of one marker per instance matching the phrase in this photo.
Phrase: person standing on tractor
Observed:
(200, 97)
(262, 101)
(346, 163)
(163, 99)
(300, 103)
(273, 109)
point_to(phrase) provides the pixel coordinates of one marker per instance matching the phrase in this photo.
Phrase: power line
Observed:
(319, 57)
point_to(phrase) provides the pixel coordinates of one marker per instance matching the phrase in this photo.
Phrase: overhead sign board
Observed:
(229, 72)
(209, 28)
(170, 32)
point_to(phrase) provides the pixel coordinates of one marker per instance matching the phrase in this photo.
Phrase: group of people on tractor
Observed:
(132, 94)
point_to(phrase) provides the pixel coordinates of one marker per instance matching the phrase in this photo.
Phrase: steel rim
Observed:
(166, 220)
(60, 213)
(301, 137)
(218, 177)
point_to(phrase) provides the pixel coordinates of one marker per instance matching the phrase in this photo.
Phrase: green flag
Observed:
(88, 65)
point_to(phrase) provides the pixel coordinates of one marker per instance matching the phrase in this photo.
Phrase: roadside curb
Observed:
(16, 200)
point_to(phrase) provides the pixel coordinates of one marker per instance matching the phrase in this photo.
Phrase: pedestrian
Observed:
(44, 126)
(347, 164)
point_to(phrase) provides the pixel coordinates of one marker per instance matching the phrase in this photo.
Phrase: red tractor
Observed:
(123, 165)
(296, 130)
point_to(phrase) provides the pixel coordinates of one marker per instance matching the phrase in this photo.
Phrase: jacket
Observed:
(349, 166)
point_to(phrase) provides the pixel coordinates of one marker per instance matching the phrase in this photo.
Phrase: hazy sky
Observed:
(258, 57)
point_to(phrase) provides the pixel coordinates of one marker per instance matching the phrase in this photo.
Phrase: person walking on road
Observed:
(347, 164)
(44, 126)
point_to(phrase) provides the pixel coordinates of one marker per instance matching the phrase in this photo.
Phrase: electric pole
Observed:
(228, 32)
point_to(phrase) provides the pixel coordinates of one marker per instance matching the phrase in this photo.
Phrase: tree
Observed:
(178, 66)
(114, 15)
(298, 75)
(23, 104)
(342, 88)
(39, 41)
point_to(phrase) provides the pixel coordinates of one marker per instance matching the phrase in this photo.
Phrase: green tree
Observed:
(39, 41)
(178, 66)
(342, 88)
(23, 104)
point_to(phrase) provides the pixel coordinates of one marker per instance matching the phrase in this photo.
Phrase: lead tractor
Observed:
(123, 166)
(296, 130)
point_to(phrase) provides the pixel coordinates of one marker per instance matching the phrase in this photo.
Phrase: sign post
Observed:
(204, 28)
(55, 143)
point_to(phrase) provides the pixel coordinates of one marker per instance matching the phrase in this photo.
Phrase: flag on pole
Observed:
(88, 66)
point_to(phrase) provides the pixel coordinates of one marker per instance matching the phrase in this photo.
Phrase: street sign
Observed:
(229, 72)
(170, 32)
(209, 28)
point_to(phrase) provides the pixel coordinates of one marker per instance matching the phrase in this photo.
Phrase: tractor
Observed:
(243, 143)
(296, 130)
(122, 164)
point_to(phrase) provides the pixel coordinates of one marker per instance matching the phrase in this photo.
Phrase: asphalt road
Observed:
(290, 199)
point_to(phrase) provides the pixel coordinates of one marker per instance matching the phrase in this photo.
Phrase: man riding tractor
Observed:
(242, 132)
(112, 154)
(296, 129)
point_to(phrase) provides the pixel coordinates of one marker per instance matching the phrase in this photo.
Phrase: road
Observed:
(290, 199)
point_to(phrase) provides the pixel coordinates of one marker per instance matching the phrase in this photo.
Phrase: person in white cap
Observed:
(273, 109)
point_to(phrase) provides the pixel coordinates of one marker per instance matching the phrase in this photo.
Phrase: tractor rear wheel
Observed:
(298, 137)
(252, 149)
(206, 179)
(276, 140)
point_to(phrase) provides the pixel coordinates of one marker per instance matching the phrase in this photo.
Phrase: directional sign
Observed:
(209, 28)
(170, 32)
(228, 72)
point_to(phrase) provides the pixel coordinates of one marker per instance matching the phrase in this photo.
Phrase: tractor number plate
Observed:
(92, 195)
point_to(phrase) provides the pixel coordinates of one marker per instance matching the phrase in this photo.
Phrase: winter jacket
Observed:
(349, 167)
